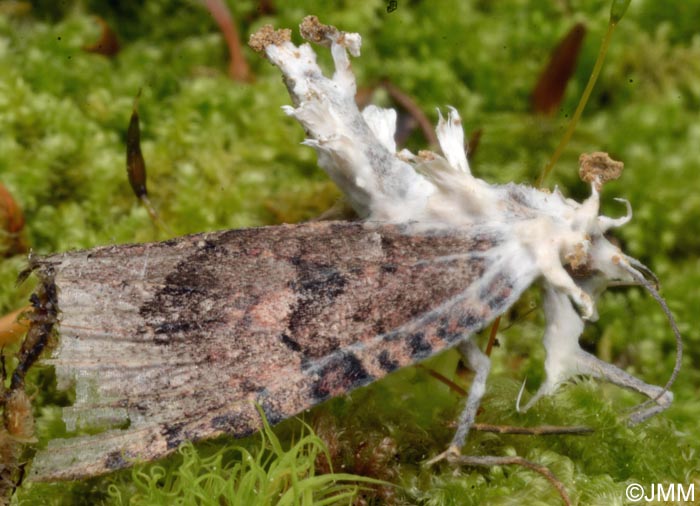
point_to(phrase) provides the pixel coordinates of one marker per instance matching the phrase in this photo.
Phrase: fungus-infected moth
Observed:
(180, 340)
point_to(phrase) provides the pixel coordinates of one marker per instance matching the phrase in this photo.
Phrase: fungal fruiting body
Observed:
(549, 236)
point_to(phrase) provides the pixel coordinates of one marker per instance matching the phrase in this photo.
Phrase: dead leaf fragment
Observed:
(550, 88)
(108, 44)
(12, 240)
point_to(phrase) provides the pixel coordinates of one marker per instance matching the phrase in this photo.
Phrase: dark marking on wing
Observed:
(115, 460)
(249, 385)
(498, 292)
(182, 306)
(446, 330)
(172, 328)
(470, 321)
(418, 347)
(223, 422)
(272, 408)
(316, 287)
(389, 268)
(173, 434)
(290, 343)
(181, 291)
(340, 375)
(386, 362)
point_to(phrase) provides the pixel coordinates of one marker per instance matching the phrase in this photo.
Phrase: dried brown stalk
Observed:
(413, 109)
(465, 460)
(238, 67)
(539, 430)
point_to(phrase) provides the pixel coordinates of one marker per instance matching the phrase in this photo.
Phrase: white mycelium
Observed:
(431, 190)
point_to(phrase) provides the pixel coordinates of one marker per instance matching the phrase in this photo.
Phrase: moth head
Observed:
(606, 265)
(604, 260)
(599, 263)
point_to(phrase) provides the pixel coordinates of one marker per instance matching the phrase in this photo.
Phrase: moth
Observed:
(181, 340)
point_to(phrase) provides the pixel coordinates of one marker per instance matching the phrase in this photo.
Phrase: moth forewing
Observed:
(180, 340)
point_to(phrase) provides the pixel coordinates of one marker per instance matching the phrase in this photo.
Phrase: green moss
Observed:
(221, 154)
(264, 474)
(234, 475)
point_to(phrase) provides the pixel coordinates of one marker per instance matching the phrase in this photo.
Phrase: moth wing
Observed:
(176, 341)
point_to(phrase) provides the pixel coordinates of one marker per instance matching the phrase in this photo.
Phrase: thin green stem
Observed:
(160, 224)
(581, 105)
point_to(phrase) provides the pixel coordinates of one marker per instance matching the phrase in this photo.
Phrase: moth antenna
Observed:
(520, 395)
(647, 272)
(607, 223)
(677, 334)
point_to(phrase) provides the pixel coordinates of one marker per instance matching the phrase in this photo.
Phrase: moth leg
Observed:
(480, 363)
(593, 366)
(561, 334)
(565, 358)
(556, 275)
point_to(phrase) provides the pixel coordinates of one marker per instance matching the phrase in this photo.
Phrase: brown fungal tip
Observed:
(267, 36)
(599, 168)
(578, 258)
(427, 154)
(315, 31)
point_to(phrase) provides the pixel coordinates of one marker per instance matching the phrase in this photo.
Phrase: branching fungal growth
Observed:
(547, 233)
(176, 341)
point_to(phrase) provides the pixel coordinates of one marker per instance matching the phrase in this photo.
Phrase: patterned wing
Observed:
(179, 340)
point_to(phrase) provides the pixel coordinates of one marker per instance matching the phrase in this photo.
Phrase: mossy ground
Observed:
(221, 154)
